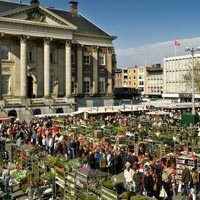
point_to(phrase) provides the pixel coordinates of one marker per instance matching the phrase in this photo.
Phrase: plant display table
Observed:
(108, 194)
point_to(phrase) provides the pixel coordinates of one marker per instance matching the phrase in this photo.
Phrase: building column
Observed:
(1, 36)
(109, 69)
(23, 66)
(47, 67)
(68, 69)
(80, 69)
(0, 77)
(95, 70)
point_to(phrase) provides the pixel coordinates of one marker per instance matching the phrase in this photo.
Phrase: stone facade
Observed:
(126, 77)
(50, 54)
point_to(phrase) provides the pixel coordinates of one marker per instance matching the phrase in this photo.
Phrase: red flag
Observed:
(177, 43)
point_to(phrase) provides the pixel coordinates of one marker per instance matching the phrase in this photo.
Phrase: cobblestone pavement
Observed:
(179, 197)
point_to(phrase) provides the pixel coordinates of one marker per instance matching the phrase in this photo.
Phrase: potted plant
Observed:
(139, 197)
(119, 187)
(108, 191)
(127, 195)
(25, 188)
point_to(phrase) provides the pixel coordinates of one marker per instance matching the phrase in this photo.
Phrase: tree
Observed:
(188, 77)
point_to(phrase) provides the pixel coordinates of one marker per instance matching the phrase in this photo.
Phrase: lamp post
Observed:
(192, 50)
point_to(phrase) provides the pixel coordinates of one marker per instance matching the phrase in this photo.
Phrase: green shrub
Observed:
(138, 197)
(120, 129)
(108, 184)
(127, 195)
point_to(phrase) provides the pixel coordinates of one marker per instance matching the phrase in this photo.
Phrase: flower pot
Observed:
(59, 169)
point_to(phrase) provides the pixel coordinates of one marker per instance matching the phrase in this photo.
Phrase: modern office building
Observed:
(175, 83)
(52, 58)
(154, 85)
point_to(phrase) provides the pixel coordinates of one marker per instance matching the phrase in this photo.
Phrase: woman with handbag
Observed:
(194, 181)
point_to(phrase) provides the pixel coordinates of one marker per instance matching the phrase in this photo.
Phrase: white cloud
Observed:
(153, 53)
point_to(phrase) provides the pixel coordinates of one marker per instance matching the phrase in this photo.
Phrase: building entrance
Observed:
(30, 87)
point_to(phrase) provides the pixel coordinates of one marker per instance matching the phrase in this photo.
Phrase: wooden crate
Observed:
(98, 134)
(69, 188)
(164, 150)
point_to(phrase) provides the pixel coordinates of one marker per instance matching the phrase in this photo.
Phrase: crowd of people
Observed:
(143, 173)
(156, 179)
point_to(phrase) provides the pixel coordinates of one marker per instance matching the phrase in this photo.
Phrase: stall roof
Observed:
(5, 117)
(102, 111)
(59, 114)
(158, 113)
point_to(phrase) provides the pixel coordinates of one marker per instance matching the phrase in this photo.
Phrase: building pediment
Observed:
(37, 14)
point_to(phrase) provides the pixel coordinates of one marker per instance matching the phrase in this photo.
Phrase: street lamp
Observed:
(192, 50)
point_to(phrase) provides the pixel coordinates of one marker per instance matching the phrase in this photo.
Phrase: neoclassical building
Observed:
(52, 57)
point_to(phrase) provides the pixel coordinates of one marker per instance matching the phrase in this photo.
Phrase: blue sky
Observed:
(141, 24)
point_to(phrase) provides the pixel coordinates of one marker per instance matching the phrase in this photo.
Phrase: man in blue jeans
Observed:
(6, 180)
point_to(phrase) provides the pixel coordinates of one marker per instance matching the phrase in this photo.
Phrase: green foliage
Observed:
(120, 129)
(153, 135)
(138, 197)
(108, 184)
(91, 197)
(48, 176)
(19, 175)
(24, 188)
(83, 160)
(167, 136)
(56, 161)
(73, 164)
(85, 196)
(105, 176)
(127, 195)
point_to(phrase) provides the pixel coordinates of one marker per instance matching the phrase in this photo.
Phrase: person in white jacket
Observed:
(128, 175)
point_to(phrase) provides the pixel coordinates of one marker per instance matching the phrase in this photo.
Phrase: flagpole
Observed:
(175, 50)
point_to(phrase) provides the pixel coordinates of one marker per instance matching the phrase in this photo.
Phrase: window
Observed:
(5, 84)
(101, 58)
(86, 58)
(72, 57)
(141, 83)
(53, 56)
(101, 85)
(73, 86)
(141, 77)
(4, 52)
(30, 55)
(52, 82)
(86, 85)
